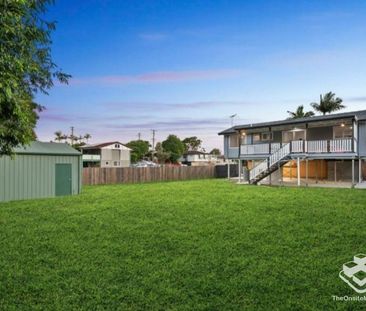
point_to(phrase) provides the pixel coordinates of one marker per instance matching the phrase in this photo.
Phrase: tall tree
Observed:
(174, 146)
(192, 143)
(59, 136)
(161, 155)
(87, 136)
(215, 151)
(26, 68)
(328, 104)
(300, 113)
(140, 149)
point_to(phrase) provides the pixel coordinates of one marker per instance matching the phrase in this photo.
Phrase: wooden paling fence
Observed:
(98, 176)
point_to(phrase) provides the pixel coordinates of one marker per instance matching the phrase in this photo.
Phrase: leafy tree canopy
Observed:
(215, 151)
(328, 104)
(192, 143)
(300, 113)
(174, 146)
(161, 155)
(26, 68)
(140, 149)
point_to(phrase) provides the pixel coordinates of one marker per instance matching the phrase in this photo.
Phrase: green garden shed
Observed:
(40, 170)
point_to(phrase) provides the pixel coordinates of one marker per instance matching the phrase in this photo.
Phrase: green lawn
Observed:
(195, 245)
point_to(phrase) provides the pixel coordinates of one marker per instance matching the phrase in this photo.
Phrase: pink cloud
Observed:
(157, 77)
(55, 116)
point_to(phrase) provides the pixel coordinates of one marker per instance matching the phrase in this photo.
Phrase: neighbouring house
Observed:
(197, 158)
(328, 149)
(109, 154)
(40, 170)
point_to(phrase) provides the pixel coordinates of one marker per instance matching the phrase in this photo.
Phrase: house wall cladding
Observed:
(362, 138)
(33, 176)
(316, 169)
(231, 153)
(116, 175)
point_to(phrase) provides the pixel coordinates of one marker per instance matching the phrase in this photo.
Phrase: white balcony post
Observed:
(298, 172)
(359, 170)
(239, 168)
(228, 168)
(353, 172)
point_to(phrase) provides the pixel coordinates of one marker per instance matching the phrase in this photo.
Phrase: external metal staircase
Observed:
(269, 165)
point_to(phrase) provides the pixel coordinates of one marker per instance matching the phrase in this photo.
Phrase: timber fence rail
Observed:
(120, 175)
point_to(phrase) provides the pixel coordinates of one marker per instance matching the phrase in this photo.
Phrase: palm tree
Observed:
(87, 136)
(299, 113)
(59, 136)
(328, 103)
(73, 139)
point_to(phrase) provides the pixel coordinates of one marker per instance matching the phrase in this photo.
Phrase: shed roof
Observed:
(38, 147)
(361, 114)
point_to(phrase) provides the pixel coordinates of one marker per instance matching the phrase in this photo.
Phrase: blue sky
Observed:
(182, 67)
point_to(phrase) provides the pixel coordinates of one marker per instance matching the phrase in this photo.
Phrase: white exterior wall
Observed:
(112, 156)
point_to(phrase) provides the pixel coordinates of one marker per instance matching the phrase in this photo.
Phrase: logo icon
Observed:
(354, 273)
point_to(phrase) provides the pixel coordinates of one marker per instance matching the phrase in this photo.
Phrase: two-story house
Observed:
(109, 154)
(320, 149)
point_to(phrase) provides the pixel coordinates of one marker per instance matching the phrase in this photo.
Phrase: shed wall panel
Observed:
(33, 176)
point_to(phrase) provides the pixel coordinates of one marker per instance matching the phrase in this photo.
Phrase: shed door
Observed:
(63, 179)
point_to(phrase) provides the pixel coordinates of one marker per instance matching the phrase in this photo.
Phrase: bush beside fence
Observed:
(98, 176)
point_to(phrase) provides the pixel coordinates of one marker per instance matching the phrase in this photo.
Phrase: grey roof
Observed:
(101, 145)
(361, 114)
(37, 147)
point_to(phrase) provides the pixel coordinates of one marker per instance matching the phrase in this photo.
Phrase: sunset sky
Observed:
(183, 67)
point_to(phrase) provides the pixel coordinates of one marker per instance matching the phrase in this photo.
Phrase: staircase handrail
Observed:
(274, 158)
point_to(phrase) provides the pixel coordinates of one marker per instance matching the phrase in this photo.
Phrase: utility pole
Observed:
(153, 139)
(72, 136)
(139, 136)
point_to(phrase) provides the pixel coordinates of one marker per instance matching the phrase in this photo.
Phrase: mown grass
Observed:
(196, 245)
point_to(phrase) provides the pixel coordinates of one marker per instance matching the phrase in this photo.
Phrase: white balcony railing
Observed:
(340, 145)
(317, 146)
(254, 149)
(91, 157)
(300, 146)
(297, 146)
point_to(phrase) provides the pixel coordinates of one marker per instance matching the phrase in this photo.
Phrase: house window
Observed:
(297, 134)
(266, 136)
(256, 138)
(106, 163)
(116, 146)
(344, 131)
(116, 163)
(233, 141)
